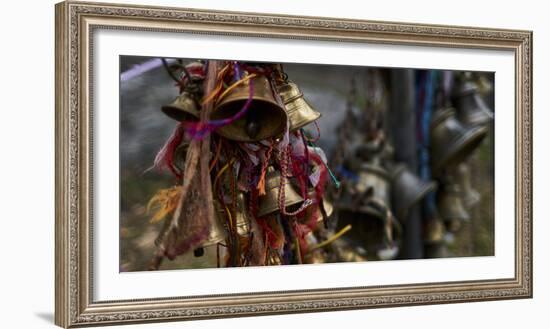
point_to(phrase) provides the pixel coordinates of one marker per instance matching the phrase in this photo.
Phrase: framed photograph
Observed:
(218, 164)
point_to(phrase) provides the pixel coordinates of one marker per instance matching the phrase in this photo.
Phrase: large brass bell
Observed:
(470, 107)
(269, 203)
(183, 108)
(470, 196)
(299, 112)
(264, 118)
(407, 189)
(451, 208)
(451, 141)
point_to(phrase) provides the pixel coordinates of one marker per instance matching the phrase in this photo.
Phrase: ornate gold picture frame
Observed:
(76, 23)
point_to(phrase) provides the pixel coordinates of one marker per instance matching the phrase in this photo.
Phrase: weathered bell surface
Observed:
(451, 141)
(299, 112)
(470, 196)
(470, 107)
(451, 208)
(407, 189)
(183, 108)
(269, 203)
(264, 118)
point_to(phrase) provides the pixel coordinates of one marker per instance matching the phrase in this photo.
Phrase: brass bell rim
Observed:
(304, 121)
(461, 147)
(179, 113)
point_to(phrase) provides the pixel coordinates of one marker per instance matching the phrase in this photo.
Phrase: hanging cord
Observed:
(261, 181)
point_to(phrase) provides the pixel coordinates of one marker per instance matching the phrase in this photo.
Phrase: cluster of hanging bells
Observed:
(456, 132)
(272, 104)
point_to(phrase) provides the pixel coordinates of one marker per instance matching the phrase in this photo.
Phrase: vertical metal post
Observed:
(403, 133)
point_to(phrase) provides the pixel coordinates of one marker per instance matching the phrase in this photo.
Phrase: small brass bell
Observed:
(299, 112)
(264, 118)
(451, 141)
(183, 108)
(407, 189)
(217, 232)
(434, 231)
(269, 203)
(470, 107)
(451, 208)
(470, 196)
(242, 218)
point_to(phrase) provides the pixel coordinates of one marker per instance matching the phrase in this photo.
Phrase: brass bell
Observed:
(269, 202)
(407, 189)
(217, 232)
(377, 180)
(434, 231)
(264, 118)
(299, 112)
(470, 107)
(183, 108)
(242, 218)
(451, 208)
(470, 196)
(451, 141)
